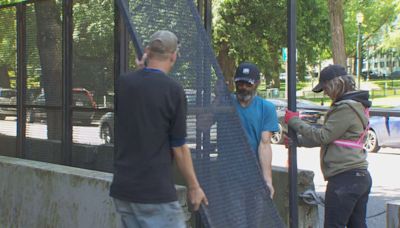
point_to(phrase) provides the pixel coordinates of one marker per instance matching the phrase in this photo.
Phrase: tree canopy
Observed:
(378, 14)
(257, 31)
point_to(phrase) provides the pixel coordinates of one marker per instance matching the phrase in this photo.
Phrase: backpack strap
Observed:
(358, 144)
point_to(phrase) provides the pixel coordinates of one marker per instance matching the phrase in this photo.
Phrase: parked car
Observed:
(384, 131)
(371, 75)
(106, 128)
(395, 74)
(7, 97)
(106, 123)
(81, 98)
(308, 112)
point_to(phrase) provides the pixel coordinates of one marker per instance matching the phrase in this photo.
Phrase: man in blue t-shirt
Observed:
(257, 116)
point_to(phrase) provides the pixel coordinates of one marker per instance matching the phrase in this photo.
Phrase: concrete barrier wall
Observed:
(38, 194)
(53, 182)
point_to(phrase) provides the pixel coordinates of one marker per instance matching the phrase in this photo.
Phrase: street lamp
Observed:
(360, 19)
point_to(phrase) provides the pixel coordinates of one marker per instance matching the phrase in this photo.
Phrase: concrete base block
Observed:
(393, 214)
(38, 194)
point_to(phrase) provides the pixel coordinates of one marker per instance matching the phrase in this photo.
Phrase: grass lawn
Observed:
(387, 83)
(384, 97)
(299, 86)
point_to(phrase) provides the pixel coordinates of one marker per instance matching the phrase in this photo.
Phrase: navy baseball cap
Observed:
(328, 73)
(247, 72)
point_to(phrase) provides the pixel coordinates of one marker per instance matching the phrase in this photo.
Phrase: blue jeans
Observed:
(139, 215)
(346, 199)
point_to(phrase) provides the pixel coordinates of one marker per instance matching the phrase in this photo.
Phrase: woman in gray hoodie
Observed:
(341, 138)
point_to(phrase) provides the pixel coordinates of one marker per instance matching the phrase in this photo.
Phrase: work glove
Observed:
(289, 115)
(287, 141)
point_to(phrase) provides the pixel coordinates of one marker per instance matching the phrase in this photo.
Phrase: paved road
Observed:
(384, 167)
(81, 134)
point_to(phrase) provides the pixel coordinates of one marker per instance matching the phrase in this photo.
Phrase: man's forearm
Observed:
(184, 162)
(265, 156)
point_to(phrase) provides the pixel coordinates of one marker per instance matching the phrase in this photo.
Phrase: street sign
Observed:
(284, 54)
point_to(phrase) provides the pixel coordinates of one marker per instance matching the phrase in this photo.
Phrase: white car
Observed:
(7, 97)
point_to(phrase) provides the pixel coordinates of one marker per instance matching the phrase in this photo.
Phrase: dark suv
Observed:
(81, 98)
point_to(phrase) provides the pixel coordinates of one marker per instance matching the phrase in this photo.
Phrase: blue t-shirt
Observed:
(258, 116)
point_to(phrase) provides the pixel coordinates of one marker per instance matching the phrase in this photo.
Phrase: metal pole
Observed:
(358, 56)
(67, 83)
(293, 210)
(208, 16)
(207, 72)
(121, 60)
(124, 11)
(21, 80)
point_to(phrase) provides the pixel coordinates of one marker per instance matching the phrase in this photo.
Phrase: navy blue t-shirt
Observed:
(151, 113)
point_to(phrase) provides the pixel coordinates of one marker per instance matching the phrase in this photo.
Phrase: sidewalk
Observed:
(386, 102)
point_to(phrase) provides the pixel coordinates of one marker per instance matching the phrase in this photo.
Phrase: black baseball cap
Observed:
(247, 72)
(328, 73)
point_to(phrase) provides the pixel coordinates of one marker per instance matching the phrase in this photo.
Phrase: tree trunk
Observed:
(49, 42)
(227, 65)
(4, 77)
(273, 79)
(301, 66)
(336, 19)
(271, 69)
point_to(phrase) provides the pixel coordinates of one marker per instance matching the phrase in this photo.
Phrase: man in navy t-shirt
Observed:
(257, 116)
(151, 121)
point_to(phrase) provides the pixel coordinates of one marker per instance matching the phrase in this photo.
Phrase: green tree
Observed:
(8, 38)
(377, 16)
(257, 30)
(93, 47)
(9, 2)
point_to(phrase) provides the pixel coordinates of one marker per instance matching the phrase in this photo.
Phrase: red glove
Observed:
(286, 141)
(289, 115)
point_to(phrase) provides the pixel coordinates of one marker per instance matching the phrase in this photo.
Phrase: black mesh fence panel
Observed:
(8, 66)
(93, 70)
(44, 85)
(92, 77)
(225, 165)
